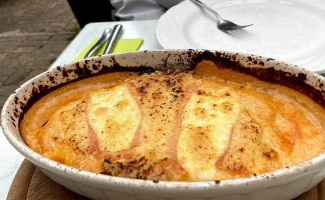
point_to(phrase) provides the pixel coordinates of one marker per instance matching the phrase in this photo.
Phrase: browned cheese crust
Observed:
(208, 124)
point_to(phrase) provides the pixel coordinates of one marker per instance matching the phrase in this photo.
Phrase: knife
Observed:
(116, 32)
(99, 43)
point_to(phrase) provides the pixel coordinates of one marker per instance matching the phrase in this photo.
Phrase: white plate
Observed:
(289, 30)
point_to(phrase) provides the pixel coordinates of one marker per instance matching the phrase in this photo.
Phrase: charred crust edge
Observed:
(270, 74)
(226, 60)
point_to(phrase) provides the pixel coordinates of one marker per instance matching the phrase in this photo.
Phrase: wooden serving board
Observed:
(31, 184)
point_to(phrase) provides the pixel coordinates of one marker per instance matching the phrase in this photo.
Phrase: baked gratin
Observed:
(210, 123)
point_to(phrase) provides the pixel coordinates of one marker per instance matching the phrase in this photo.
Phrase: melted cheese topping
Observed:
(206, 129)
(211, 124)
(114, 117)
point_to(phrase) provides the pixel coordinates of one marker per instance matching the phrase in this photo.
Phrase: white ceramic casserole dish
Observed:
(285, 183)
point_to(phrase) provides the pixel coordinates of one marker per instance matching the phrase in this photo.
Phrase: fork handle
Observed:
(200, 3)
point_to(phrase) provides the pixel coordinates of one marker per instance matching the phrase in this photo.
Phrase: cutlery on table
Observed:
(224, 25)
(99, 43)
(116, 32)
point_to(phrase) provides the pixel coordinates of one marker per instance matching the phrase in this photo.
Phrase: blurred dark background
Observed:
(33, 34)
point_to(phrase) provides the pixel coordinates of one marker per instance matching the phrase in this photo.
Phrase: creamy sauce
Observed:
(210, 124)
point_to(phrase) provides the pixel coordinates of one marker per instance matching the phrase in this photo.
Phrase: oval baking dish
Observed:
(285, 183)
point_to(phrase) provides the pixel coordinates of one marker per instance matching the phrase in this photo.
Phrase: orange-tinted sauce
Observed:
(210, 124)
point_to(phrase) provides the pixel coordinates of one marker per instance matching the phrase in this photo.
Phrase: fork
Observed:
(222, 24)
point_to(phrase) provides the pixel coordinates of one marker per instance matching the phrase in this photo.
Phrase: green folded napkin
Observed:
(121, 45)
